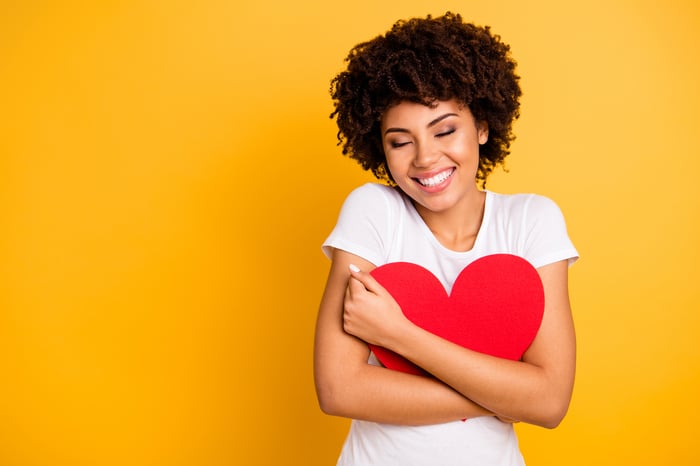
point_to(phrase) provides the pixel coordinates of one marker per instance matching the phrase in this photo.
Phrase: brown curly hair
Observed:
(425, 61)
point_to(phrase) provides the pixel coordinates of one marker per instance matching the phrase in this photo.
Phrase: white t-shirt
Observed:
(380, 224)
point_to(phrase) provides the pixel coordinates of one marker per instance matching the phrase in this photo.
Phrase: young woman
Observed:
(428, 108)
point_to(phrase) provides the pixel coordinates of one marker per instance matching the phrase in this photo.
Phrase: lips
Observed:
(436, 179)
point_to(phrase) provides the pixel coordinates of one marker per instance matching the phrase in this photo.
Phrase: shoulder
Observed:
(367, 222)
(537, 225)
(372, 192)
(373, 199)
(522, 200)
(525, 205)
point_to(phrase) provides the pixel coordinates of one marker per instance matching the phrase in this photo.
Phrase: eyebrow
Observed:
(431, 124)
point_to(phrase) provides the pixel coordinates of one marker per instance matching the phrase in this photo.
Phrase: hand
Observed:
(370, 312)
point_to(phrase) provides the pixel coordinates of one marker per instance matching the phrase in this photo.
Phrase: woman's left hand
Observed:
(370, 312)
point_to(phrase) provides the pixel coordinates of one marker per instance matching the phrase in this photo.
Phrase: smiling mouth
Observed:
(436, 179)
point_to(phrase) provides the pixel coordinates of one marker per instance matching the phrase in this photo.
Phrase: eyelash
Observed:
(397, 145)
(446, 133)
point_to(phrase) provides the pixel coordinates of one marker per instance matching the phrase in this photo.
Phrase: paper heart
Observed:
(495, 307)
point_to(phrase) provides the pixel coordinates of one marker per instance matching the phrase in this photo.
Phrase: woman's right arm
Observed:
(346, 385)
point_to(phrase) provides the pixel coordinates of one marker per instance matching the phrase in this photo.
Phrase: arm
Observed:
(536, 389)
(347, 386)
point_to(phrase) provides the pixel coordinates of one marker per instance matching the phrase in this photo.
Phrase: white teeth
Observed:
(435, 180)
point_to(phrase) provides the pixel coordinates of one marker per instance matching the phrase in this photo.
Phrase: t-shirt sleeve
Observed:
(363, 224)
(546, 237)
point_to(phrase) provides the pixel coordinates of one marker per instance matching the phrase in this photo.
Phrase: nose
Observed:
(426, 155)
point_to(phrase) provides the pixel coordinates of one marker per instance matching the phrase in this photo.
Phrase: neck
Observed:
(457, 227)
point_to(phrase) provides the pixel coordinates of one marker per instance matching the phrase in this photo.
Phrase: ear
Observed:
(482, 131)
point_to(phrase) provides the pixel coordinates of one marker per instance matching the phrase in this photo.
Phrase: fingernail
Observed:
(354, 268)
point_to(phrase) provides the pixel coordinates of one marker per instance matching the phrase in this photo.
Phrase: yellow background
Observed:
(168, 173)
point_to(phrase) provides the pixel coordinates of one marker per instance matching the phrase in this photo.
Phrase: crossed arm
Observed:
(356, 310)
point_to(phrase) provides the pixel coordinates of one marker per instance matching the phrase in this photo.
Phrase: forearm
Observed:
(512, 389)
(381, 395)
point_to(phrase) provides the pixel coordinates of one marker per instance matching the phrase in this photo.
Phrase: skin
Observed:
(421, 142)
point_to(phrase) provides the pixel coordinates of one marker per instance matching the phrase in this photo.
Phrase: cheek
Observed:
(469, 146)
(393, 162)
(397, 169)
(392, 169)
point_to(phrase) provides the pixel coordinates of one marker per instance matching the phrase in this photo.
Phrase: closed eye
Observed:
(445, 133)
(396, 145)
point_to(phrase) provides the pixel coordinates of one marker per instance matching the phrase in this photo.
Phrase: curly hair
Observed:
(425, 61)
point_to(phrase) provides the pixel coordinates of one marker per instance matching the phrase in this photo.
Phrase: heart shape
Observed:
(495, 307)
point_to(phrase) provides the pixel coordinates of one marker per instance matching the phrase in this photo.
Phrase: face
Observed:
(433, 152)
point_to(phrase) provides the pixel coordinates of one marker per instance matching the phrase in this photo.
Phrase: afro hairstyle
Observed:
(426, 60)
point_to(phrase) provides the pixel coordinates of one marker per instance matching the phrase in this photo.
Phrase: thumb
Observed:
(369, 282)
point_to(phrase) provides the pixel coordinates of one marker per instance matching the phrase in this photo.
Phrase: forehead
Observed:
(407, 114)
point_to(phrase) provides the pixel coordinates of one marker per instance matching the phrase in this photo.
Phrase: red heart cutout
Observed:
(495, 307)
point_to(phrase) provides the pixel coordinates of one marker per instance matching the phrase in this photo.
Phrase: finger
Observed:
(367, 280)
(354, 287)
